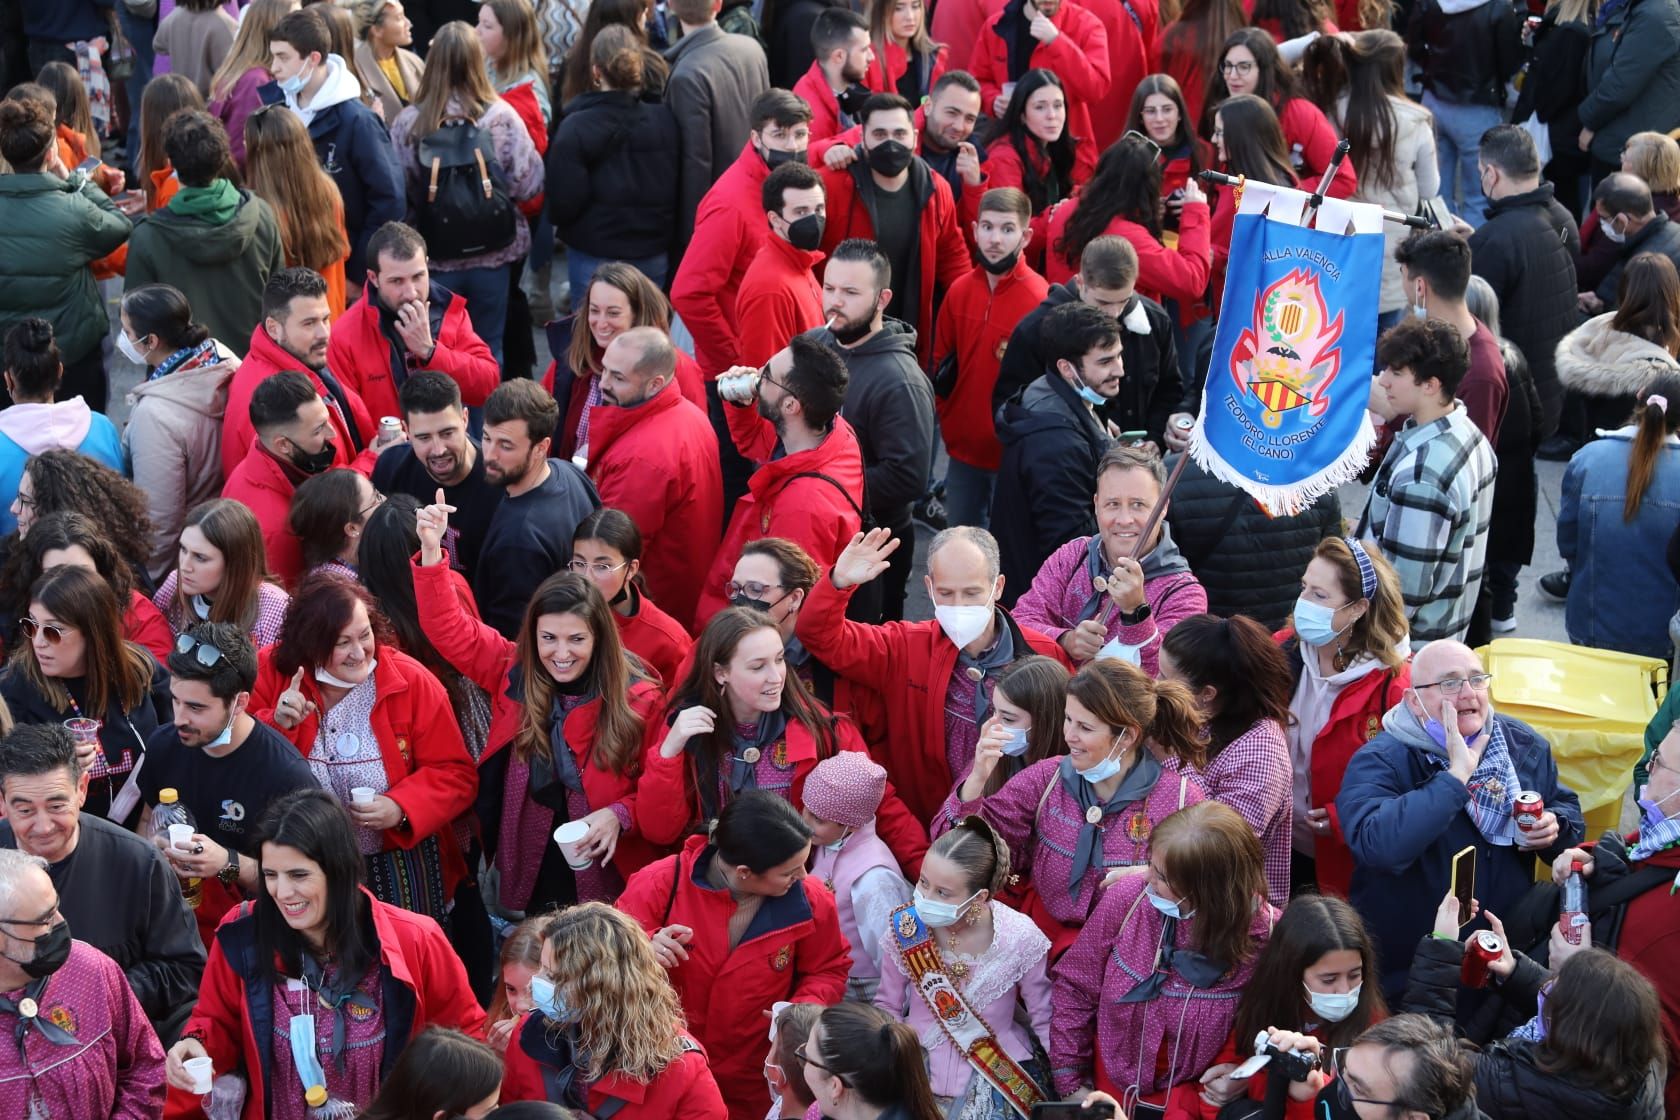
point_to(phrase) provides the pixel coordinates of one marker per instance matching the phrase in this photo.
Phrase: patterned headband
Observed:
(1367, 571)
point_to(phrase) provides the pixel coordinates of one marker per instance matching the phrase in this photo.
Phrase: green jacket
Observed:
(50, 231)
(221, 268)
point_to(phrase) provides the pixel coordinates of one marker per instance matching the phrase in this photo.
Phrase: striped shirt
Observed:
(1429, 511)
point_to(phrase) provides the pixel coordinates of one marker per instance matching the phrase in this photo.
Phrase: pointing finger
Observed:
(297, 679)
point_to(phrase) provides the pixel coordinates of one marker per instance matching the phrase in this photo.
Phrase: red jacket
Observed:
(1355, 719)
(729, 226)
(573, 391)
(1180, 60)
(1312, 141)
(1131, 27)
(968, 205)
(909, 664)
(810, 512)
(145, 625)
(1163, 273)
(490, 661)
(812, 88)
(658, 462)
(1004, 168)
(780, 297)
(429, 771)
(685, 1088)
(656, 637)
(1079, 56)
(265, 486)
(670, 803)
(957, 24)
(794, 951)
(943, 254)
(263, 360)
(227, 1021)
(1650, 942)
(976, 321)
(362, 355)
(891, 64)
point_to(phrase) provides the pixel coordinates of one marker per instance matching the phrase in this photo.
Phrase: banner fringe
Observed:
(1297, 496)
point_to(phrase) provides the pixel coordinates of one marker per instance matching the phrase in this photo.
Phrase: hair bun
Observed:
(35, 335)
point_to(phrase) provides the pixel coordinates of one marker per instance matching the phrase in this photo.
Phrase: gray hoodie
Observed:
(889, 403)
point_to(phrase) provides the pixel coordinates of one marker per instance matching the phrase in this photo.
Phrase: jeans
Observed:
(1458, 137)
(486, 293)
(968, 495)
(580, 266)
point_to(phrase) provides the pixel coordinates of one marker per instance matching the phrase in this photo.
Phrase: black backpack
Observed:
(467, 209)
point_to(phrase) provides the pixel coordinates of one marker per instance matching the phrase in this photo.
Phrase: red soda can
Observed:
(1483, 948)
(1528, 810)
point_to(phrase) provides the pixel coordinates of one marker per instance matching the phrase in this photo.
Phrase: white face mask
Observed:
(838, 844)
(131, 349)
(1333, 1007)
(963, 624)
(327, 678)
(939, 914)
(1615, 235)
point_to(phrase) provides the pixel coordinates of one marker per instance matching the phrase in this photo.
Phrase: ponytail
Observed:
(1123, 695)
(1657, 419)
(1177, 726)
(878, 1058)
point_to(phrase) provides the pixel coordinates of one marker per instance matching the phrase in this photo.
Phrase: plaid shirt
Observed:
(1429, 511)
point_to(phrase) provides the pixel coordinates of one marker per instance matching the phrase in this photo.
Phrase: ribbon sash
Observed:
(919, 953)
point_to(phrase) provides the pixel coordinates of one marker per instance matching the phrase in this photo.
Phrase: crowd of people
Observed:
(393, 727)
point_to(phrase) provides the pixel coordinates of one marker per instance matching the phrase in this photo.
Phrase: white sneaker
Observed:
(1505, 625)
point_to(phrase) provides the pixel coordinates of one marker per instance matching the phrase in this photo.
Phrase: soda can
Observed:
(1483, 948)
(390, 427)
(1527, 810)
(1185, 423)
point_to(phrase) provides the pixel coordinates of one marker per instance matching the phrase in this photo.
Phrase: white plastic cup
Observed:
(203, 1073)
(569, 836)
(362, 795)
(180, 835)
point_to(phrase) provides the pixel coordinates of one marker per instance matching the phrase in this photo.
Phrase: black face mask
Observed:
(806, 233)
(316, 463)
(851, 99)
(775, 157)
(745, 600)
(998, 268)
(52, 949)
(889, 157)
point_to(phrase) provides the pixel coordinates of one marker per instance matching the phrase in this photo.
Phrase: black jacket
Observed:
(1465, 54)
(1526, 252)
(1556, 82)
(1510, 1085)
(787, 37)
(1660, 235)
(1151, 389)
(1633, 75)
(1042, 500)
(889, 404)
(1515, 493)
(529, 539)
(612, 175)
(1222, 548)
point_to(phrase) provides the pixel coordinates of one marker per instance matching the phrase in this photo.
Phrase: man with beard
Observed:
(652, 454)
(889, 403)
(440, 453)
(530, 537)
(224, 765)
(293, 334)
(833, 86)
(890, 197)
(294, 441)
(115, 886)
(808, 487)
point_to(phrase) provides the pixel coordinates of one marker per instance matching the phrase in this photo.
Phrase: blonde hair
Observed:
(523, 946)
(454, 72)
(1655, 158)
(1380, 630)
(250, 46)
(523, 53)
(630, 1020)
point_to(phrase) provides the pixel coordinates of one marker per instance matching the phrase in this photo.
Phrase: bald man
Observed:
(1443, 776)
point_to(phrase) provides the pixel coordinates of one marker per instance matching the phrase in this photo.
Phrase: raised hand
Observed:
(698, 720)
(432, 523)
(864, 559)
(293, 706)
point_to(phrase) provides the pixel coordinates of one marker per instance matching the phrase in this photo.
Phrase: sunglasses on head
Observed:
(204, 653)
(54, 632)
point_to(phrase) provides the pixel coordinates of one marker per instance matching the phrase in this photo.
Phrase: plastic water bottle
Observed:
(1572, 914)
(172, 824)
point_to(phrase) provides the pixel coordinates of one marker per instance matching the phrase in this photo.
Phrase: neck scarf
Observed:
(980, 669)
(188, 357)
(1163, 560)
(565, 765)
(1135, 786)
(1196, 969)
(1493, 789)
(334, 997)
(760, 737)
(50, 1030)
(1655, 838)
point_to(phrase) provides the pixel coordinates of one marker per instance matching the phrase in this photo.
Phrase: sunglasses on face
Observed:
(54, 632)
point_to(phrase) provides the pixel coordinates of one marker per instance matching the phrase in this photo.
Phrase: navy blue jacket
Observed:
(1404, 817)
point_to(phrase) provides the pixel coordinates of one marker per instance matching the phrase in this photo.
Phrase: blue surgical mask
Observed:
(939, 914)
(290, 86)
(1166, 906)
(1016, 745)
(1651, 812)
(1333, 1007)
(546, 998)
(1315, 623)
(224, 738)
(1103, 770)
(1090, 395)
(1433, 727)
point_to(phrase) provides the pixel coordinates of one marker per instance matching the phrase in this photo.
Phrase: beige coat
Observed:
(408, 64)
(174, 441)
(1416, 178)
(1597, 360)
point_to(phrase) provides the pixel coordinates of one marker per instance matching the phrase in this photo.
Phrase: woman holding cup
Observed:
(76, 669)
(377, 731)
(572, 706)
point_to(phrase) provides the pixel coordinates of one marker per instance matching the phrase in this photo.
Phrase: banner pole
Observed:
(1161, 504)
(1416, 221)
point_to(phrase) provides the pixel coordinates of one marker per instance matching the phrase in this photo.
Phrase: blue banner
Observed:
(1284, 408)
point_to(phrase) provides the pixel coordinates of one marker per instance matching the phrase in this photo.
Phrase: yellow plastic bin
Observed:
(1592, 705)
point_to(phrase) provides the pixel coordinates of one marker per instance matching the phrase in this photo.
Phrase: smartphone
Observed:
(88, 165)
(1133, 439)
(1060, 1110)
(1464, 881)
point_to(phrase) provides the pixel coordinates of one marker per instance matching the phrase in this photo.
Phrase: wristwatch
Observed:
(1132, 618)
(229, 875)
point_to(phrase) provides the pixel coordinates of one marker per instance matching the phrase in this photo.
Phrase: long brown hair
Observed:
(1648, 301)
(250, 46)
(1368, 69)
(1656, 422)
(1254, 143)
(281, 168)
(454, 72)
(575, 76)
(523, 946)
(1167, 86)
(880, 14)
(1163, 712)
(1311, 926)
(878, 1058)
(74, 110)
(648, 308)
(115, 670)
(1038, 686)
(234, 531)
(1603, 1026)
(524, 53)
(1274, 79)
(618, 729)
(1237, 658)
(1211, 854)
(1379, 631)
(1200, 32)
(164, 95)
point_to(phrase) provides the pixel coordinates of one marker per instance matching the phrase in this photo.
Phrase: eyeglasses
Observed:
(1343, 1092)
(1657, 763)
(54, 631)
(25, 500)
(598, 569)
(752, 589)
(204, 653)
(1236, 69)
(1452, 686)
(805, 1059)
(378, 500)
(50, 920)
(1154, 147)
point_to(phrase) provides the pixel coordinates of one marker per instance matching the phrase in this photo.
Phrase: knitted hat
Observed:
(846, 788)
